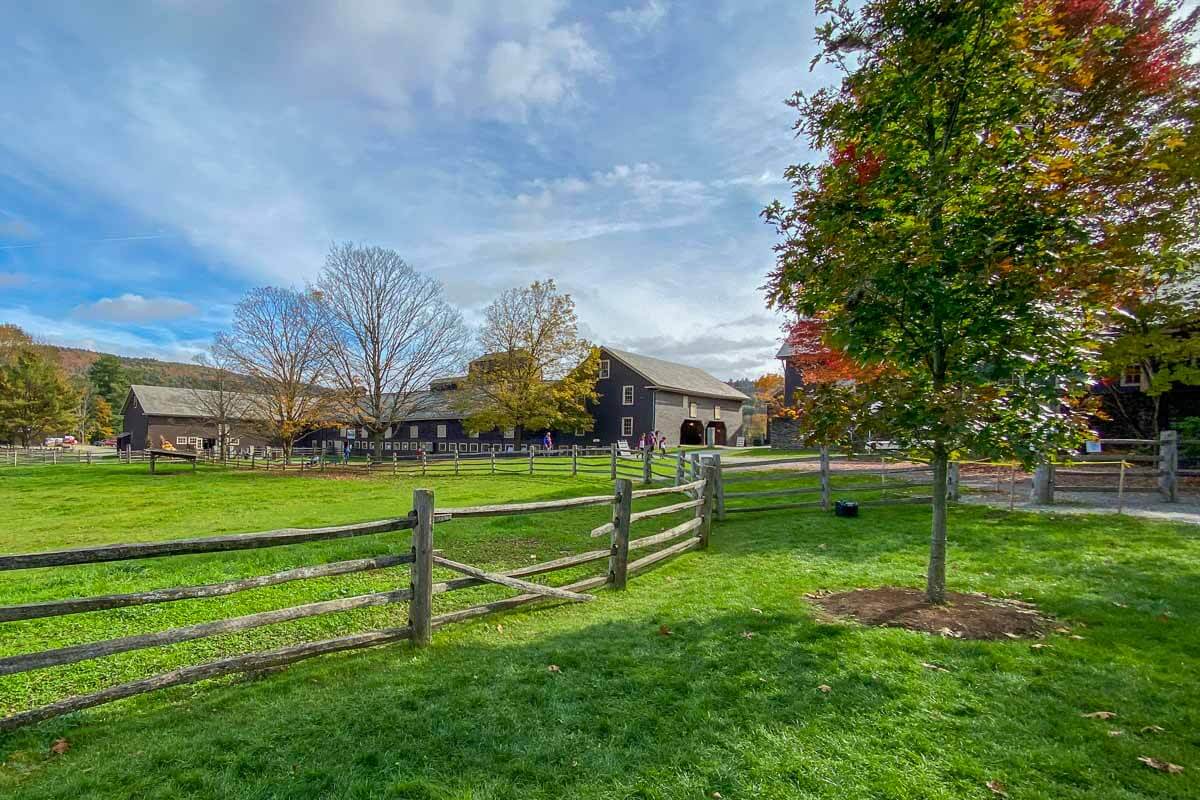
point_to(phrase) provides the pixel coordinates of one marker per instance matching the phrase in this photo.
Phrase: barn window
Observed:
(627, 426)
(605, 366)
(626, 395)
(441, 431)
(1132, 376)
(412, 432)
(716, 410)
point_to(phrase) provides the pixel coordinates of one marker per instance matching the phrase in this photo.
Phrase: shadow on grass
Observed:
(626, 702)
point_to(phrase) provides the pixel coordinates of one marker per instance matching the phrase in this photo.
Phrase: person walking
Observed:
(547, 442)
(662, 443)
(346, 452)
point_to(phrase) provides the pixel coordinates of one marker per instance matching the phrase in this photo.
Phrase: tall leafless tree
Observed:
(277, 340)
(221, 398)
(390, 331)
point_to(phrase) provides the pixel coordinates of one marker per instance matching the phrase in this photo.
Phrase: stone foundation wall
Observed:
(785, 434)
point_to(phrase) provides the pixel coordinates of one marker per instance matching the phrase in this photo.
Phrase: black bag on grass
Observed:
(845, 508)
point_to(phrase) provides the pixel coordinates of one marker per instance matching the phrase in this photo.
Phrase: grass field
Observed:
(727, 702)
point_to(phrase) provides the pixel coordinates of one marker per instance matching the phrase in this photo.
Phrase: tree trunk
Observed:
(935, 583)
(377, 444)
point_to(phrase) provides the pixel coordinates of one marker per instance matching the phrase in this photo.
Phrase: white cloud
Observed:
(73, 333)
(134, 308)
(641, 20)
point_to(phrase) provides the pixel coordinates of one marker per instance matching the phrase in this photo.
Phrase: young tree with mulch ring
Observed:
(1001, 175)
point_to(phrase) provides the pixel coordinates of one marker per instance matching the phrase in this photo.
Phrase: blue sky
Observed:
(160, 158)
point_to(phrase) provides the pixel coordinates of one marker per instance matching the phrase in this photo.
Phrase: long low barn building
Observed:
(638, 395)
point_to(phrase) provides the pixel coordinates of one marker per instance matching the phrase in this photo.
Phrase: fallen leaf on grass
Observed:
(499, 629)
(997, 788)
(1041, 646)
(1011, 635)
(1099, 715)
(1115, 732)
(934, 667)
(60, 746)
(716, 795)
(1119, 605)
(1153, 729)
(747, 634)
(553, 668)
(1161, 766)
(663, 630)
(825, 688)
(1076, 637)
(1061, 629)
(756, 610)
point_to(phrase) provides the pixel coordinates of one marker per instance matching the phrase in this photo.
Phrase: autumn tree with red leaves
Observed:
(1002, 176)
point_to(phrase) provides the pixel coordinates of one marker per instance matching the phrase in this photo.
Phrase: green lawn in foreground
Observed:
(728, 702)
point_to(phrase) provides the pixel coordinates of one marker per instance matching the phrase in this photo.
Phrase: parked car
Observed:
(109, 442)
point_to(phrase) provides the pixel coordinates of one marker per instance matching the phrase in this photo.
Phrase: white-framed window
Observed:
(627, 426)
(404, 445)
(441, 447)
(716, 410)
(626, 395)
(387, 445)
(453, 447)
(474, 447)
(692, 408)
(412, 432)
(510, 433)
(605, 368)
(441, 431)
(181, 440)
(1132, 376)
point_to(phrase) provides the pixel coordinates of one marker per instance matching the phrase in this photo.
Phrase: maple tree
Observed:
(1002, 175)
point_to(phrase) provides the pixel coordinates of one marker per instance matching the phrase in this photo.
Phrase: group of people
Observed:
(652, 441)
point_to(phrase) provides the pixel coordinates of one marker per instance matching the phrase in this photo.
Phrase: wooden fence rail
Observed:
(421, 557)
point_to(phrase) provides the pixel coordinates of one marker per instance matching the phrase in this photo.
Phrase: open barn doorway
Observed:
(715, 434)
(691, 432)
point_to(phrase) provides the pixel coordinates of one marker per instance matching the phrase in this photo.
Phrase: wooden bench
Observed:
(183, 455)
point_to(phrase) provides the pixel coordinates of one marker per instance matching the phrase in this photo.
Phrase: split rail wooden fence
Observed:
(780, 484)
(422, 521)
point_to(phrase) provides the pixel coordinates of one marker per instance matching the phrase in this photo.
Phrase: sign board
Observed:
(1092, 447)
(741, 441)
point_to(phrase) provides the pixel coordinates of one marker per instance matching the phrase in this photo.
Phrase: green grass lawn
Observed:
(727, 702)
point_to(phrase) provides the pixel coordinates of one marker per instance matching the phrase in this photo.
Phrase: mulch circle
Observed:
(964, 616)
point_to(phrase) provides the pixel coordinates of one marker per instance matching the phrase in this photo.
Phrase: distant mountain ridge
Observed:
(152, 371)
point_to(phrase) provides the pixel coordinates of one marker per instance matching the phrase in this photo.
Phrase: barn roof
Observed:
(663, 374)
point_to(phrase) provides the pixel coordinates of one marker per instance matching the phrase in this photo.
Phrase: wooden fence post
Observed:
(695, 466)
(952, 484)
(647, 460)
(612, 450)
(424, 464)
(574, 460)
(1043, 484)
(679, 474)
(618, 557)
(826, 483)
(420, 609)
(253, 450)
(456, 462)
(1168, 465)
(530, 459)
(710, 483)
(719, 487)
